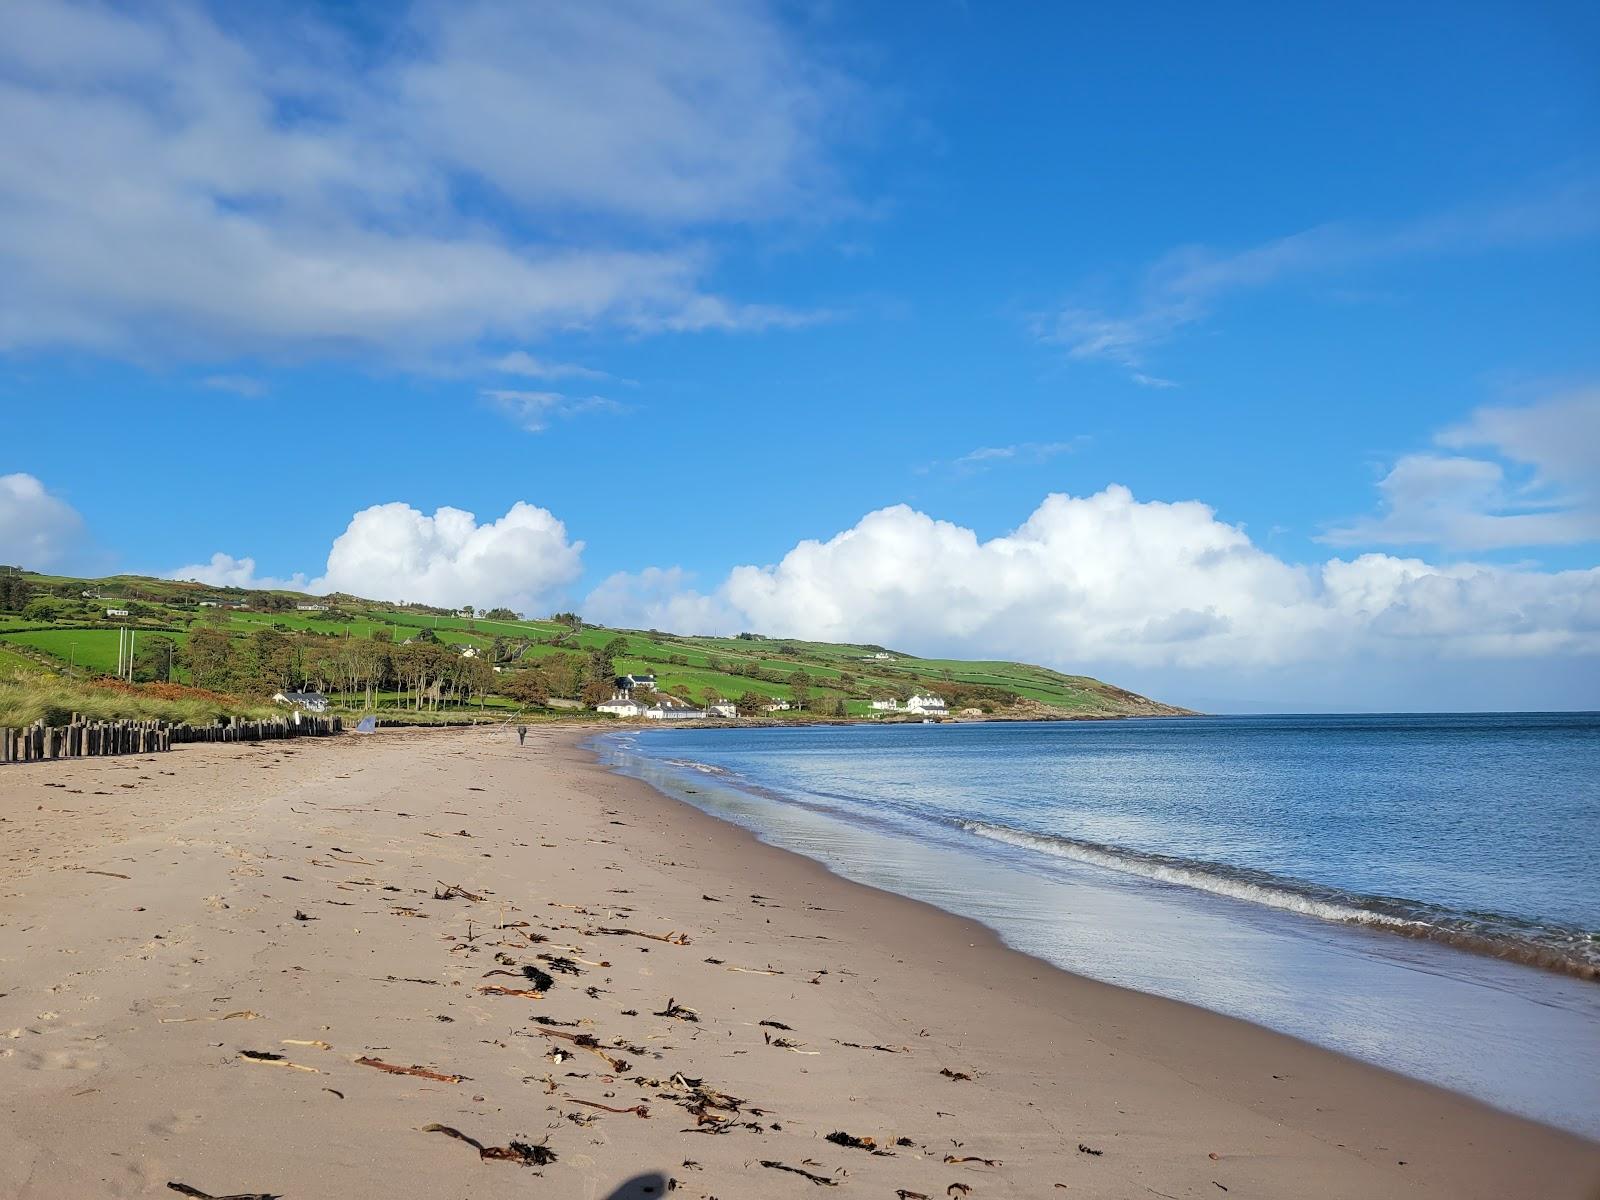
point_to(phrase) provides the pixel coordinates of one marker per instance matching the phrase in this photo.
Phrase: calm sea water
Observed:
(1420, 891)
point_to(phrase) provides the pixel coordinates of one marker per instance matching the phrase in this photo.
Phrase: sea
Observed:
(1419, 891)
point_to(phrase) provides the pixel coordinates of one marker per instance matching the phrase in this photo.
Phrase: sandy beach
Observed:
(438, 964)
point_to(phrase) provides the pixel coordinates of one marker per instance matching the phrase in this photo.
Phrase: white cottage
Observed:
(928, 706)
(621, 706)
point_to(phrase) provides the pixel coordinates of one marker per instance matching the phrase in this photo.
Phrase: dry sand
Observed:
(151, 933)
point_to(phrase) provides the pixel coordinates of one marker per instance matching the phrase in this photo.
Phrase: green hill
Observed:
(253, 642)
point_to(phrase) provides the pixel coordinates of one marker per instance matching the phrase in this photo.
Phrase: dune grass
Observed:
(26, 698)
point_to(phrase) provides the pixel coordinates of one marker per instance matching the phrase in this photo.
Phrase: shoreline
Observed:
(889, 1018)
(1113, 994)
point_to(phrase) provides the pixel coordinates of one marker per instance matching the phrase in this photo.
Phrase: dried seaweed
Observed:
(782, 1026)
(449, 891)
(528, 1154)
(587, 1041)
(673, 938)
(419, 1072)
(949, 1074)
(972, 1158)
(1082, 1149)
(183, 1189)
(557, 963)
(819, 1180)
(494, 989)
(840, 1138)
(637, 1110)
(268, 1059)
(678, 1012)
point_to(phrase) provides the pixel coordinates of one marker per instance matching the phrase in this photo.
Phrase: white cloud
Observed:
(658, 598)
(173, 186)
(37, 529)
(1109, 580)
(223, 570)
(520, 362)
(1185, 286)
(395, 552)
(239, 385)
(533, 411)
(1540, 488)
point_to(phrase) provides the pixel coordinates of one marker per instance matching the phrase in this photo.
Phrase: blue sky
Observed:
(704, 282)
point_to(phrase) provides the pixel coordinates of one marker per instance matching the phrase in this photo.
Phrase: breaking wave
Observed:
(1569, 951)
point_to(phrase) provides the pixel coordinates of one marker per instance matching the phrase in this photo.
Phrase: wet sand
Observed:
(261, 970)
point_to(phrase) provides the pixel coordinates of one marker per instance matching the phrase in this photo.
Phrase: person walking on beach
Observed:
(522, 735)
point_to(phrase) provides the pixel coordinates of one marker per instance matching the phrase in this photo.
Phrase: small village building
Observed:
(776, 706)
(116, 612)
(626, 683)
(674, 712)
(311, 608)
(928, 706)
(892, 704)
(723, 708)
(621, 706)
(309, 701)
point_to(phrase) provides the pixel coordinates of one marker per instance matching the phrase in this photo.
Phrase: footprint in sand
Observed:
(59, 1060)
(181, 1121)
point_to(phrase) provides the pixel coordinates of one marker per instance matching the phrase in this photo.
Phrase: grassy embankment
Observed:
(687, 666)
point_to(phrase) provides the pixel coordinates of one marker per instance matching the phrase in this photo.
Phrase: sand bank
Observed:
(272, 969)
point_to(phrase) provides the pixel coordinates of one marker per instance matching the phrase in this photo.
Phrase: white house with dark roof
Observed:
(928, 706)
(674, 712)
(621, 706)
(310, 701)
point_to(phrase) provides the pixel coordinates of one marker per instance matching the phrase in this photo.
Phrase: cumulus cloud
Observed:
(179, 185)
(394, 551)
(1108, 579)
(658, 598)
(1540, 485)
(224, 570)
(37, 529)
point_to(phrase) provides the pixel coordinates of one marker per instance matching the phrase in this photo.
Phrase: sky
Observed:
(1241, 354)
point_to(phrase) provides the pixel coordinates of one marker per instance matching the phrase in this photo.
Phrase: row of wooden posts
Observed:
(80, 738)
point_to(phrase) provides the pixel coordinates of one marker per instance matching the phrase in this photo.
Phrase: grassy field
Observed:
(837, 671)
(94, 650)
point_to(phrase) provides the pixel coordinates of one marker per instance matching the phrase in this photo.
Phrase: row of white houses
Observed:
(923, 706)
(623, 704)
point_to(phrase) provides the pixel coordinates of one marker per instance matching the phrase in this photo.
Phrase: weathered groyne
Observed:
(81, 739)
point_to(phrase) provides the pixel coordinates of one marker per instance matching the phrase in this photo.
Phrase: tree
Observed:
(527, 686)
(153, 659)
(267, 661)
(15, 591)
(501, 614)
(206, 656)
(800, 686)
(751, 703)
